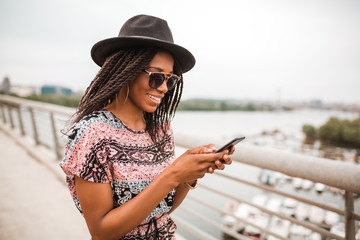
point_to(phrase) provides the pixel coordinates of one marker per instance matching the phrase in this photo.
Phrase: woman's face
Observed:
(141, 95)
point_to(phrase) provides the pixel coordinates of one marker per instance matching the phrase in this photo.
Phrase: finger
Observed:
(227, 161)
(232, 150)
(210, 146)
(210, 158)
(201, 150)
(219, 165)
(210, 170)
(224, 154)
(225, 158)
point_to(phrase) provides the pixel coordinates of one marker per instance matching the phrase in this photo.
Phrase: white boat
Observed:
(317, 215)
(228, 220)
(338, 229)
(273, 204)
(315, 236)
(299, 232)
(288, 206)
(259, 200)
(268, 177)
(280, 227)
(259, 219)
(332, 218)
(242, 211)
(319, 187)
(297, 183)
(307, 184)
(287, 178)
(337, 190)
(302, 211)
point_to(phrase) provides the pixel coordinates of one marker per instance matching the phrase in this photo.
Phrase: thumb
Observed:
(202, 149)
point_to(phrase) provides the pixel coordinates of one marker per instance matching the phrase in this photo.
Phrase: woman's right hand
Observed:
(195, 163)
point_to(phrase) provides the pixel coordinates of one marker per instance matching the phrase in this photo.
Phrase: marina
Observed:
(288, 206)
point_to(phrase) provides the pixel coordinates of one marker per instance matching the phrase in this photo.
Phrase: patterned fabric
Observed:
(102, 149)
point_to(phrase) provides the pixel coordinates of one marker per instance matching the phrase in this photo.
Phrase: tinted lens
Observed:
(171, 82)
(156, 79)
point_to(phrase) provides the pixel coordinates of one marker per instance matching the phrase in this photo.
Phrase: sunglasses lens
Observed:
(156, 79)
(171, 82)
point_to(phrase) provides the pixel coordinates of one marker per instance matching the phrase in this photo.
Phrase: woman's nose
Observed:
(163, 87)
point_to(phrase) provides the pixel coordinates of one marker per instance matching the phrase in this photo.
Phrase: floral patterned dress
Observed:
(102, 149)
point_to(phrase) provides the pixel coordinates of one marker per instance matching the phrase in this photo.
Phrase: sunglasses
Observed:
(156, 79)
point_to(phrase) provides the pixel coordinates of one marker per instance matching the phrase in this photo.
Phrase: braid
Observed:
(165, 112)
(120, 69)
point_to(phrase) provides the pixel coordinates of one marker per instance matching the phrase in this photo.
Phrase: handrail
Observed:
(47, 107)
(347, 175)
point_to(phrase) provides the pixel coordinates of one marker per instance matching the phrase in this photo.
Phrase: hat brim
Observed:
(103, 49)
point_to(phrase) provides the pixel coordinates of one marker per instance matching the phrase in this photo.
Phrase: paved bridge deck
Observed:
(34, 203)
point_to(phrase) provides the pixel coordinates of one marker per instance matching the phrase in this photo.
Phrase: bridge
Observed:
(35, 195)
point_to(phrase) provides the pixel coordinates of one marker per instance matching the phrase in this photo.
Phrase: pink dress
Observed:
(102, 149)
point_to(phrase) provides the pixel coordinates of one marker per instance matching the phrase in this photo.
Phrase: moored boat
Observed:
(317, 215)
(302, 211)
(280, 227)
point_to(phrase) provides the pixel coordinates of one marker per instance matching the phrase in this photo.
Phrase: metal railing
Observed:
(22, 115)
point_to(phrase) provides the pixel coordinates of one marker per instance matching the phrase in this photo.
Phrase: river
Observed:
(226, 125)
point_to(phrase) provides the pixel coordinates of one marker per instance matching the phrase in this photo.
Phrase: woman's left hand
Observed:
(220, 164)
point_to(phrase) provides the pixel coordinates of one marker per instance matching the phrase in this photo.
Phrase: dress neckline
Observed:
(122, 123)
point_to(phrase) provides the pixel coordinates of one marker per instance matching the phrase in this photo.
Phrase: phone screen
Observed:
(229, 144)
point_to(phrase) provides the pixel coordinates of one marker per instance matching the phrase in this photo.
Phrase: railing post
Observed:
(349, 220)
(36, 136)
(3, 113)
(20, 121)
(10, 117)
(56, 142)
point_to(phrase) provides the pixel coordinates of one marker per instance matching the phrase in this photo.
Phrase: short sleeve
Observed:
(86, 155)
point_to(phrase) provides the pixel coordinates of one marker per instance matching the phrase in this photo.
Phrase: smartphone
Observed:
(229, 144)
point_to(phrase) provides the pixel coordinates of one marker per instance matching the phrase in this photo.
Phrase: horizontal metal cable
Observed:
(310, 226)
(269, 189)
(237, 218)
(191, 228)
(215, 224)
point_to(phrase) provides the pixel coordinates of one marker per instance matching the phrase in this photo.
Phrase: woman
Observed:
(119, 162)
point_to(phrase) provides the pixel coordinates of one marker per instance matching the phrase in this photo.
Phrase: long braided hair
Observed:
(120, 69)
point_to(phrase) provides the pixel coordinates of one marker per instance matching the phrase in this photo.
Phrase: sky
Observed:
(288, 50)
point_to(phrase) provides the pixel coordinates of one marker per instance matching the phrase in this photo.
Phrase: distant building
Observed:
(24, 91)
(5, 86)
(316, 103)
(55, 90)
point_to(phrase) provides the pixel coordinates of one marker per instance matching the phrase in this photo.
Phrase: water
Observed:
(226, 125)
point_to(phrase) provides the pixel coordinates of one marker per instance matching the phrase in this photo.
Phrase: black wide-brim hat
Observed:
(143, 30)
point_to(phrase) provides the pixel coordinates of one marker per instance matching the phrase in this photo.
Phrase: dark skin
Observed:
(96, 199)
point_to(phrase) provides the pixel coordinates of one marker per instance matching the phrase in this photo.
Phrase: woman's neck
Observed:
(131, 116)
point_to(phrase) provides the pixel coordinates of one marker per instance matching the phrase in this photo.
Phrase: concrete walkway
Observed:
(34, 203)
